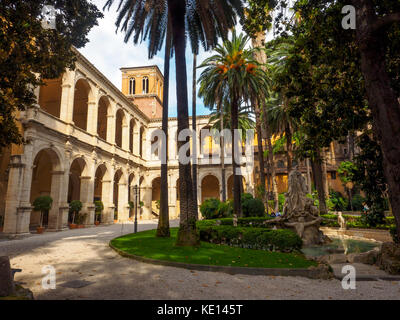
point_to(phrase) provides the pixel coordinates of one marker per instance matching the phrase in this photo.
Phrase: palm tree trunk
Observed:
(194, 127)
(260, 150)
(316, 165)
(273, 173)
(237, 188)
(163, 221)
(289, 148)
(309, 183)
(222, 153)
(187, 235)
(324, 174)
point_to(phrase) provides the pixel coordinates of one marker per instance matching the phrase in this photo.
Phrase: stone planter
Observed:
(39, 230)
(73, 226)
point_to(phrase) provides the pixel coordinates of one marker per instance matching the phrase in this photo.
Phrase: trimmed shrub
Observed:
(252, 238)
(336, 201)
(209, 208)
(242, 222)
(330, 220)
(42, 204)
(252, 207)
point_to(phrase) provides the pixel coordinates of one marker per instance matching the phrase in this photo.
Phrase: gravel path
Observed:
(84, 255)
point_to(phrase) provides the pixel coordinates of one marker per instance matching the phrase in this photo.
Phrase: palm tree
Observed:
(194, 128)
(232, 74)
(204, 21)
(163, 220)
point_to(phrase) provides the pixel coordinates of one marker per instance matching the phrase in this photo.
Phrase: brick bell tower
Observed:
(144, 86)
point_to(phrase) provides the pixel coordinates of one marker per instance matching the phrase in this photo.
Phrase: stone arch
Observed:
(46, 182)
(83, 94)
(155, 194)
(120, 194)
(210, 187)
(76, 191)
(104, 109)
(120, 121)
(50, 96)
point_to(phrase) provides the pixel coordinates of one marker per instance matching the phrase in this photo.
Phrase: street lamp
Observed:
(136, 207)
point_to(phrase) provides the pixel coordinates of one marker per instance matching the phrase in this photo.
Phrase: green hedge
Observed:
(330, 220)
(252, 238)
(242, 222)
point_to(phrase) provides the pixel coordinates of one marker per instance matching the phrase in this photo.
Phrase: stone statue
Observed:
(301, 224)
(341, 221)
(299, 212)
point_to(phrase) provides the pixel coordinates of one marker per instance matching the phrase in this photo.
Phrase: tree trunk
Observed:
(163, 220)
(324, 174)
(273, 173)
(237, 188)
(187, 235)
(261, 58)
(309, 183)
(289, 148)
(317, 172)
(194, 142)
(222, 152)
(382, 99)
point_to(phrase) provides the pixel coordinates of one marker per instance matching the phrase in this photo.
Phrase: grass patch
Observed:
(145, 244)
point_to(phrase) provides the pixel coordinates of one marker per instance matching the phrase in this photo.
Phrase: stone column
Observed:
(17, 218)
(125, 137)
(92, 117)
(136, 134)
(58, 211)
(107, 198)
(146, 195)
(86, 196)
(111, 128)
(67, 97)
(123, 207)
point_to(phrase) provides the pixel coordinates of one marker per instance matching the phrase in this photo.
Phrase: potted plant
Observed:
(141, 205)
(115, 216)
(131, 208)
(99, 207)
(42, 204)
(80, 219)
(75, 206)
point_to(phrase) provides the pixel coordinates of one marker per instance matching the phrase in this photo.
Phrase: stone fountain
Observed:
(299, 212)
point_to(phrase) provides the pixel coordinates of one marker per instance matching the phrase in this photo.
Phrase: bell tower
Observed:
(144, 86)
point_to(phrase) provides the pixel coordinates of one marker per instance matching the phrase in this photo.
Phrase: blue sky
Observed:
(108, 52)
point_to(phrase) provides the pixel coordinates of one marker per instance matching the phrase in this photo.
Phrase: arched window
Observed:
(132, 85)
(145, 85)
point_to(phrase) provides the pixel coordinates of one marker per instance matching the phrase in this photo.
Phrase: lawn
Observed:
(145, 244)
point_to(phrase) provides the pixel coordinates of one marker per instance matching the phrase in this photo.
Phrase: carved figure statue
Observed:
(300, 225)
(341, 221)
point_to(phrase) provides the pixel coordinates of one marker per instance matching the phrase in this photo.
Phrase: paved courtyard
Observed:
(84, 255)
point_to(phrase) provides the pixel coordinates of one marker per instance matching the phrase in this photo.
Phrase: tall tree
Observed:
(257, 21)
(233, 72)
(194, 128)
(163, 222)
(203, 22)
(27, 50)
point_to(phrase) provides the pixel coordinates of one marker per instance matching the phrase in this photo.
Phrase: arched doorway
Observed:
(120, 121)
(46, 182)
(210, 188)
(50, 96)
(81, 99)
(101, 190)
(75, 180)
(102, 117)
(156, 195)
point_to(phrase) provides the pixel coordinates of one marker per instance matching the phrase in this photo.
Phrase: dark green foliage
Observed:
(281, 199)
(209, 208)
(330, 220)
(26, 50)
(99, 206)
(336, 201)
(252, 238)
(242, 222)
(42, 203)
(395, 236)
(75, 206)
(357, 202)
(252, 207)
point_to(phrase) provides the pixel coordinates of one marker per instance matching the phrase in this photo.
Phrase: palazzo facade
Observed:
(87, 140)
